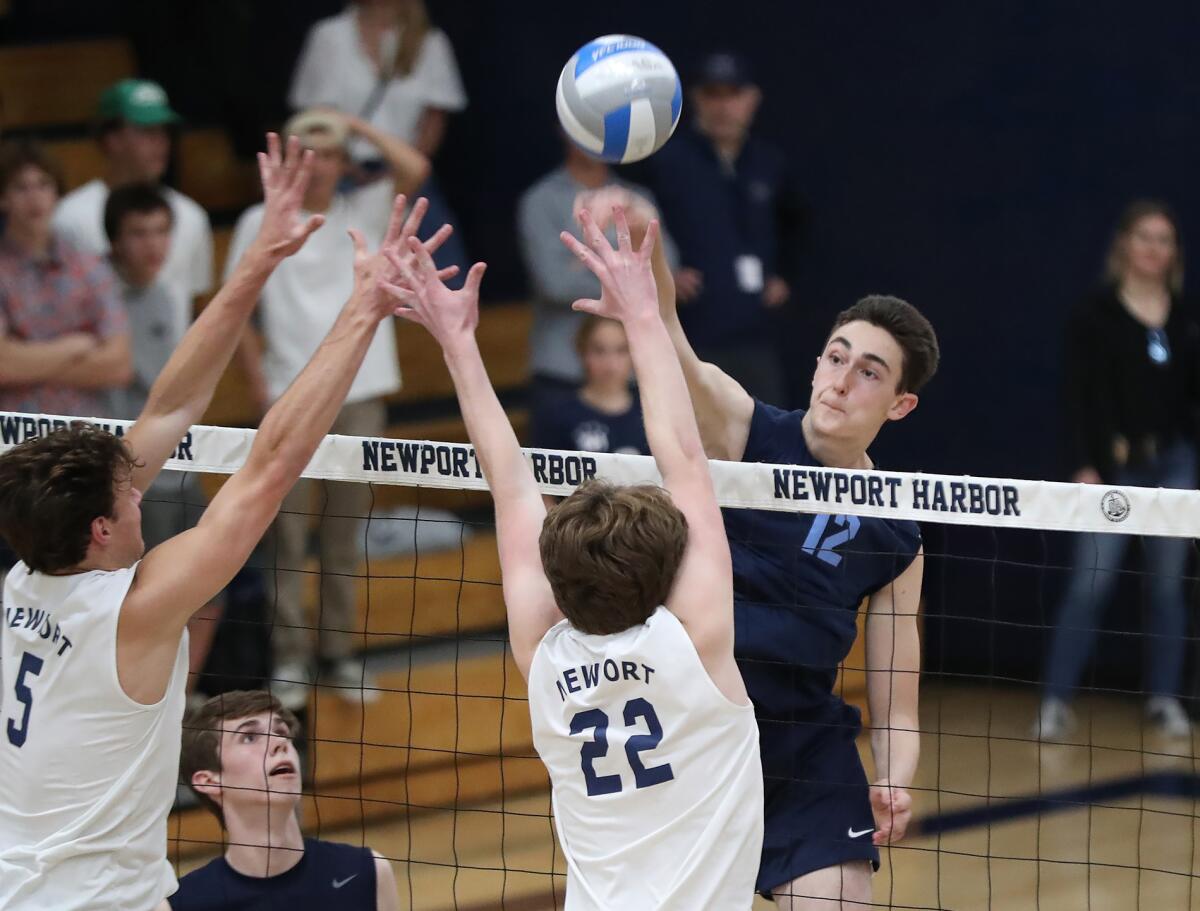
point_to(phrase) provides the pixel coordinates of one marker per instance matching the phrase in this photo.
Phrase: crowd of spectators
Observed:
(97, 287)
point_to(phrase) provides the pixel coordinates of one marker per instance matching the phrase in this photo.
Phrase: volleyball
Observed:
(619, 98)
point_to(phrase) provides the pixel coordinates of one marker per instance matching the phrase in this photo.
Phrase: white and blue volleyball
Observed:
(619, 98)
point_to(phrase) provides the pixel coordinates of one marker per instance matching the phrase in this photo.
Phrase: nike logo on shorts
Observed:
(861, 832)
(338, 883)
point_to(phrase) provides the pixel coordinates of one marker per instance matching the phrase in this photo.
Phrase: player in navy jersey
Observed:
(798, 583)
(238, 757)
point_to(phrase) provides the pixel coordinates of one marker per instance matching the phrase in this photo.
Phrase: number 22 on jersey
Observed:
(596, 720)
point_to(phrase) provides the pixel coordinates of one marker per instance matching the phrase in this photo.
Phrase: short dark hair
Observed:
(611, 554)
(20, 154)
(911, 330)
(135, 198)
(53, 487)
(201, 749)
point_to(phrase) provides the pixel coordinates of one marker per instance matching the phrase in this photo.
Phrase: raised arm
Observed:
(723, 408)
(184, 573)
(185, 387)
(893, 673)
(702, 596)
(451, 318)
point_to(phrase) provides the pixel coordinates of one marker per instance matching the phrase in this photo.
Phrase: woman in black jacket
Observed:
(1133, 395)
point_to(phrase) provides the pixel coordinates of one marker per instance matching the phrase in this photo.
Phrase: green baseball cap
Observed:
(137, 101)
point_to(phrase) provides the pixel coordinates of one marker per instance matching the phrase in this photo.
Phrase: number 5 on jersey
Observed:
(597, 748)
(31, 665)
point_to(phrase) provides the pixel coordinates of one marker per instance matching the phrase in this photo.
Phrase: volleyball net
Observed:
(428, 757)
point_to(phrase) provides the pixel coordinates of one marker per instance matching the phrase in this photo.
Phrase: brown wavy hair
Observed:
(611, 554)
(52, 488)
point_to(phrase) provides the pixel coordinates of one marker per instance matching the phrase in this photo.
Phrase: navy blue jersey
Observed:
(329, 875)
(798, 581)
(568, 422)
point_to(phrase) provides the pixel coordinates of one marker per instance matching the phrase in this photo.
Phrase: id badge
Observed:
(749, 271)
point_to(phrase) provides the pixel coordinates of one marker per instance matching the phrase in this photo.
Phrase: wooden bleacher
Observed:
(53, 85)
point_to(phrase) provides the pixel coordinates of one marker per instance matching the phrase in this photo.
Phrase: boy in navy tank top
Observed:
(798, 583)
(239, 759)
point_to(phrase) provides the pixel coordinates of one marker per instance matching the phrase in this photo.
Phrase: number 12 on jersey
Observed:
(597, 748)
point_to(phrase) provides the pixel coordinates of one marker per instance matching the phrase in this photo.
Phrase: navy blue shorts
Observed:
(819, 815)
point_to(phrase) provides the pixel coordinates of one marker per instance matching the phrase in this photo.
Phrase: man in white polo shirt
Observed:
(298, 306)
(134, 116)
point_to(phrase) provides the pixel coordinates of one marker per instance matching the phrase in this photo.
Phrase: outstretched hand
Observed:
(626, 275)
(372, 270)
(423, 297)
(284, 180)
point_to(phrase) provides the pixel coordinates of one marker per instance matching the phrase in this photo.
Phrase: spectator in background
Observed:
(64, 338)
(134, 115)
(298, 306)
(1133, 398)
(736, 217)
(138, 223)
(557, 277)
(604, 414)
(383, 61)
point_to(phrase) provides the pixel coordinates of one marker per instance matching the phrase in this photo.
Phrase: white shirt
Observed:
(335, 70)
(303, 297)
(188, 271)
(656, 777)
(87, 775)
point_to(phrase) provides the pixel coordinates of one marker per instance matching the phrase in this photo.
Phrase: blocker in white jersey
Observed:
(656, 774)
(72, 831)
(620, 617)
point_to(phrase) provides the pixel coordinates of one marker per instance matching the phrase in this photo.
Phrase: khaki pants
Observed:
(342, 508)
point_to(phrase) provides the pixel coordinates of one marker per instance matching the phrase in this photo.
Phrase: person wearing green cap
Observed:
(134, 116)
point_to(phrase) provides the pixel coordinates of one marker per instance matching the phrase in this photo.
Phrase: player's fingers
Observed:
(440, 236)
(401, 264)
(273, 151)
(421, 258)
(409, 314)
(406, 296)
(586, 256)
(299, 185)
(264, 171)
(448, 272)
(624, 241)
(586, 305)
(360, 242)
(291, 159)
(646, 250)
(396, 220)
(314, 222)
(416, 215)
(592, 234)
(474, 278)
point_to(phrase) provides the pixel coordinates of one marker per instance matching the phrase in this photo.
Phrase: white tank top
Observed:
(657, 783)
(87, 775)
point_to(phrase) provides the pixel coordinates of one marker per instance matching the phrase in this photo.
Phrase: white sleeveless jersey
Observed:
(657, 783)
(87, 775)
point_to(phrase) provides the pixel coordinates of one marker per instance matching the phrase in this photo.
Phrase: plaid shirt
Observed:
(43, 298)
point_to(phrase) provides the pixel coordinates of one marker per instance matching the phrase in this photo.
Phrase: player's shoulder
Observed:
(203, 888)
(776, 434)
